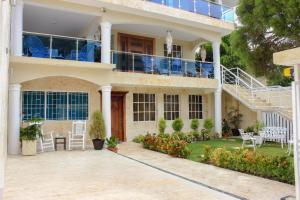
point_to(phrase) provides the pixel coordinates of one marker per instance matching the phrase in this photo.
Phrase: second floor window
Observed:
(176, 51)
(171, 107)
(143, 107)
(195, 107)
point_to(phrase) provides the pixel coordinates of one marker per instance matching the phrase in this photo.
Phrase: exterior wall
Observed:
(249, 116)
(134, 128)
(187, 47)
(70, 85)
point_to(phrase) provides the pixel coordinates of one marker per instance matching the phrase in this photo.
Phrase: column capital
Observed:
(14, 87)
(105, 24)
(106, 88)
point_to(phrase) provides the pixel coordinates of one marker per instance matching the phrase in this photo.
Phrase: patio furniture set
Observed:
(276, 134)
(76, 138)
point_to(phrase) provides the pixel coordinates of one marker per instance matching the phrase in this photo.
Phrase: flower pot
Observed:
(98, 144)
(113, 149)
(235, 132)
(28, 147)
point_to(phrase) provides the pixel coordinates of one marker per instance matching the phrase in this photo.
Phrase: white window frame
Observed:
(172, 111)
(155, 106)
(195, 103)
(177, 45)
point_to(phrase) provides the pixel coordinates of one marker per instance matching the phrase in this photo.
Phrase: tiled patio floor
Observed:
(243, 185)
(95, 175)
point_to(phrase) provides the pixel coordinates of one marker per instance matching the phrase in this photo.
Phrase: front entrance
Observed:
(118, 115)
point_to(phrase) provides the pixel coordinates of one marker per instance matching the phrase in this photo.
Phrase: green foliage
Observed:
(177, 125)
(258, 126)
(162, 125)
(32, 131)
(246, 161)
(139, 139)
(208, 126)
(97, 128)
(250, 129)
(195, 125)
(267, 27)
(225, 126)
(235, 118)
(166, 144)
(112, 142)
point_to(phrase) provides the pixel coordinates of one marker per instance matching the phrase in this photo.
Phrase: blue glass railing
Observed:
(151, 64)
(60, 47)
(202, 7)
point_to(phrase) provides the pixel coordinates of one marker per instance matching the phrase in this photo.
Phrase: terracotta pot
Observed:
(28, 147)
(115, 149)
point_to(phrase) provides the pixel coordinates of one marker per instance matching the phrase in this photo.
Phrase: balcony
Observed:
(151, 64)
(60, 47)
(202, 7)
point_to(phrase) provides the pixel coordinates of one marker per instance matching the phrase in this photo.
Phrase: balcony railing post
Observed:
(195, 10)
(50, 47)
(169, 66)
(152, 65)
(179, 3)
(77, 49)
(133, 62)
(209, 11)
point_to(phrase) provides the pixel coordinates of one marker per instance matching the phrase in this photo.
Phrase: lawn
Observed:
(268, 149)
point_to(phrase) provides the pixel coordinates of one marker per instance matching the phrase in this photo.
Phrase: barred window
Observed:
(143, 107)
(195, 107)
(176, 51)
(55, 105)
(171, 107)
(33, 105)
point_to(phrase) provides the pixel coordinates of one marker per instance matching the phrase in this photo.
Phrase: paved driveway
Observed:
(95, 175)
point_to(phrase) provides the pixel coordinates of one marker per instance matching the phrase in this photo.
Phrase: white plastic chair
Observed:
(77, 136)
(247, 137)
(47, 142)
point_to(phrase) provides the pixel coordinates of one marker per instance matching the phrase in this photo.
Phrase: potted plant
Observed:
(225, 129)
(235, 119)
(195, 126)
(97, 130)
(28, 137)
(112, 143)
(208, 126)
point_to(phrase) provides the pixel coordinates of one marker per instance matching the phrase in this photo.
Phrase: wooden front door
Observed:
(136, 44)
(118, 115)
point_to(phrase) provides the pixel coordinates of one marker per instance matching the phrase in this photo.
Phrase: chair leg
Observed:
(243, 143)
(41, 144)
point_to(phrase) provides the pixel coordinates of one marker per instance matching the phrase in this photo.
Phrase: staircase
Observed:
(256, 95)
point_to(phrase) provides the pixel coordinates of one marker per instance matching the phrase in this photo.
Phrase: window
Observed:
(78, 105)
(55, 105)
(195, 107)
(143, 107)
(33, 105)
(171, 107)
(176, 51)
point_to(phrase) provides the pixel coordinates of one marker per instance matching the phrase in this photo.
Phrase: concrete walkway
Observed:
(243, 185)
(89, 175)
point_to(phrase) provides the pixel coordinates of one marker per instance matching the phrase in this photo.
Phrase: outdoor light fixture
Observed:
(203, 53)
(169, 41)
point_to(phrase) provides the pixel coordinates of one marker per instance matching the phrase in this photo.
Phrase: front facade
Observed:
(71, 58)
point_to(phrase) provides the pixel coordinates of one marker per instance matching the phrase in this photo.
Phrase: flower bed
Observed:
(167, 144)
(276, 168)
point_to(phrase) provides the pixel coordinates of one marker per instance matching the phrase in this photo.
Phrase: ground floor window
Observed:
(171, 107)
(143, 107)
(195, 107)
(55, 105)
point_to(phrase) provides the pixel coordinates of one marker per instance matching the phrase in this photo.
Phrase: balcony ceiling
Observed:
(154, 31)
(53, 21)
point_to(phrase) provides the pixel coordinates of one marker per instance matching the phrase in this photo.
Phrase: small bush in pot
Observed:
(97, 130)
(208, 126)
(225, 129)
(195, 126)
(235, 119)
(29, 135)
(162, 125)
(112, 143)
(177, 125)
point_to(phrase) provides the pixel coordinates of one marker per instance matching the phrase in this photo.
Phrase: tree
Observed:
(267, 27)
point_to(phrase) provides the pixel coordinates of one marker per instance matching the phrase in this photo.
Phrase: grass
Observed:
(268, 149)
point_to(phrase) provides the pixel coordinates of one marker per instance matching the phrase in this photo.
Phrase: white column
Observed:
(105, 42)
(106, 108)
(218, 92)
(14, 118)
(17, 28)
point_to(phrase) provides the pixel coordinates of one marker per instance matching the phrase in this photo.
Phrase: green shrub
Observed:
(166, 144)
(97, 128)
(195, 125)
(258, 126)
(250, 129)
(31, 132)
(112, 142)
(162, 125)
(208, 126)
(139, 139)
(177, 125)
(277, 168)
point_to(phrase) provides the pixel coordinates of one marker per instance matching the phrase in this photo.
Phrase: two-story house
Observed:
(134, 60)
